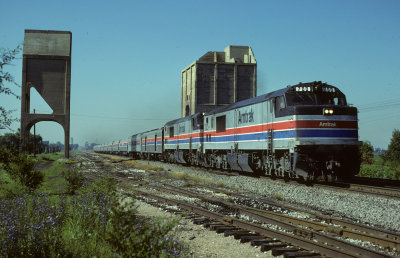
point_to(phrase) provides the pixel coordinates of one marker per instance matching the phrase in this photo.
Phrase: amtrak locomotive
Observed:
(305, 131)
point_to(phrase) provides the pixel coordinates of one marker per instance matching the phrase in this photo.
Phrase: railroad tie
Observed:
(233, 232)
(223, 229)
(245, 239)
(240, 235)
(214, 227)
(212, 224)
(269, 246)
(300, 254)
(258, 242)
(281, 250)
(199, 221)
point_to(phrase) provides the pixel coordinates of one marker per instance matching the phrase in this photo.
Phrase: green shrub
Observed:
(21, 168)
(390, 171)
(366, 150)
(74, 178)
(131, 237)
(6, 157)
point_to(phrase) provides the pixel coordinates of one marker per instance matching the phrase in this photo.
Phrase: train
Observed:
(306, 131)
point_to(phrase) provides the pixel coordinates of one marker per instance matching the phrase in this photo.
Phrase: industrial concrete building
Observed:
(218, 79)
(46, 66)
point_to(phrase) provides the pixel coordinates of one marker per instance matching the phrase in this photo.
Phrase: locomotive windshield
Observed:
(302, 98)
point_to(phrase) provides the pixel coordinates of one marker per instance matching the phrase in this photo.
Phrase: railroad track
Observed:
(376, 182)
(388, 192)
(295, 235)
(379, 187)
(363, 185)
(391, 192)
(385, 238)
(322, 235)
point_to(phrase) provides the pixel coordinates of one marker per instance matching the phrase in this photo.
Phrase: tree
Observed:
(393, 152)
(7, 56)
(366, 150)
(11, 141)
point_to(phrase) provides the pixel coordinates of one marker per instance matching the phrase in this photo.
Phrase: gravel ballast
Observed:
(366, 209)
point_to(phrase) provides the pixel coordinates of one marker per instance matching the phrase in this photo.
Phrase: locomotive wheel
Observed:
(272, 173)
(286, 177)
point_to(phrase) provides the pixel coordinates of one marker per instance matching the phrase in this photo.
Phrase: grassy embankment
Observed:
(63, 217)
(381, 169)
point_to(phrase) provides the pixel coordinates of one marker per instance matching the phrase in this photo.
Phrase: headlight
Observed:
(327, 111)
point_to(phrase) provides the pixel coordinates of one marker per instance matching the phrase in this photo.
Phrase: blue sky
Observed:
(127, 56)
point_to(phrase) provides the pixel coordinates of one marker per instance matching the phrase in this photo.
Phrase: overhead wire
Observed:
(376, 106)
(112, 117)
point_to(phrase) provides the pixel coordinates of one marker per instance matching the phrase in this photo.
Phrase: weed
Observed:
(201, 180)
(108, 164)
(115, 158)
(49, 156)
(278, 196)
(220, 183)
(74, 178)
(179, 175)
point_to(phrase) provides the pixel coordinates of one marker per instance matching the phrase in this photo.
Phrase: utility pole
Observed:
(34, 136)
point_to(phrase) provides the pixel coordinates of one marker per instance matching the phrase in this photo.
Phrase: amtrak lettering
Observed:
(327, 124)
(246, 117)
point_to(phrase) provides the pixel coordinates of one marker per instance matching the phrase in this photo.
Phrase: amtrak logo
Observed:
(327, 124)
(247, 117)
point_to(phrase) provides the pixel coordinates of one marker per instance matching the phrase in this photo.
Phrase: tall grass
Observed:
(92, 222)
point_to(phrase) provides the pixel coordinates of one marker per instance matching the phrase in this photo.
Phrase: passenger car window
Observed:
(221, 124)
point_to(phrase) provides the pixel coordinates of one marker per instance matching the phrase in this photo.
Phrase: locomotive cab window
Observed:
(221, 124)
(280, 103)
